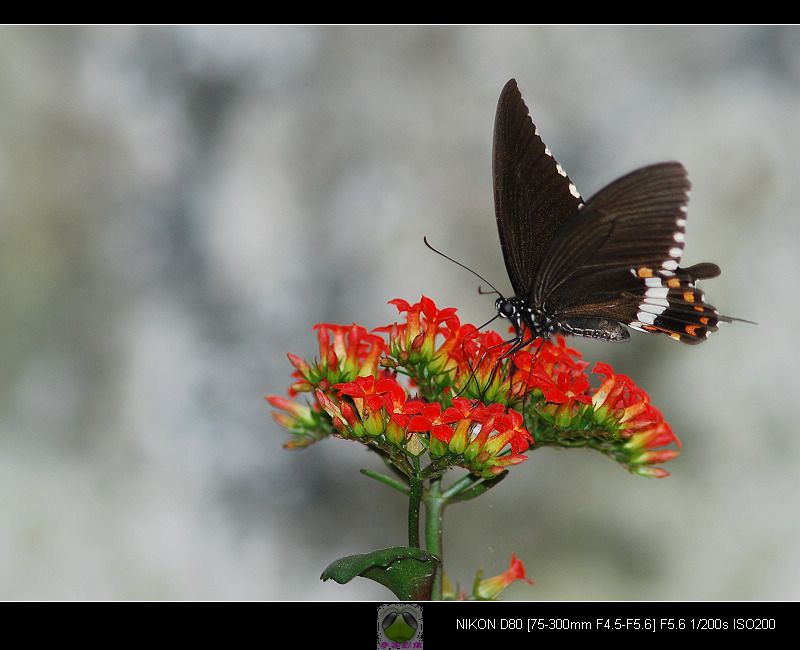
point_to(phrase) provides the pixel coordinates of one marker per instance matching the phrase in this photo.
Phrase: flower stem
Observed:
(435, 502)
(414, 497)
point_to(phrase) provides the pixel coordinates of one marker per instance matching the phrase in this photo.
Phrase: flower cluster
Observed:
(465, 401)
(484, 440)
(344, 354)
(616, 419)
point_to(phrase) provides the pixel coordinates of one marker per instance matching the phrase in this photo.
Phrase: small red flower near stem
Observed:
(490, 588)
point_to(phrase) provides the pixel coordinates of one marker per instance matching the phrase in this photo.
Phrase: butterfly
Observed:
(592, 268)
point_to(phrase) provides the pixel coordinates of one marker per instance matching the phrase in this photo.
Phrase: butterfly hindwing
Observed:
(673, 305)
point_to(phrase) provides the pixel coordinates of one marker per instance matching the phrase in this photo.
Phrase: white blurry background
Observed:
(181, 204)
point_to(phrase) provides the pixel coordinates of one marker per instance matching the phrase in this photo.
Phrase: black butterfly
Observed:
(590, 268)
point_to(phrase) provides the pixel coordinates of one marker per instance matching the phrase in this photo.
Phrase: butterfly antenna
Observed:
(477, 275)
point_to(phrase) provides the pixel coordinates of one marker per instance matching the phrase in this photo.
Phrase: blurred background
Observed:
(180, 205)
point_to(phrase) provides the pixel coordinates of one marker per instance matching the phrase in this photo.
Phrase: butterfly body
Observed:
(592, 268)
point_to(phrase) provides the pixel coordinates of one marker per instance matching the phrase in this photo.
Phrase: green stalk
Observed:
(435, 502)
(414, 498)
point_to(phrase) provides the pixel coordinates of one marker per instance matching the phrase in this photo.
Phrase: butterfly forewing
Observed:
(533, 195)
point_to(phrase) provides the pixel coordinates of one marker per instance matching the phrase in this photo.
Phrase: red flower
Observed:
(646, 436)
(353, 351)
(490, 588)
(416, 337)
(619, 399)
(481, 365)
(643, 452)
(371, 397)
(345, 352)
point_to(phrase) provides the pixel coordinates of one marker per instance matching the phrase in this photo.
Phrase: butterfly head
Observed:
(523, 317)
(506, 309)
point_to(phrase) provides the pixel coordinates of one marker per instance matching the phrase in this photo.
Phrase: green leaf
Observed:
(408, 572)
